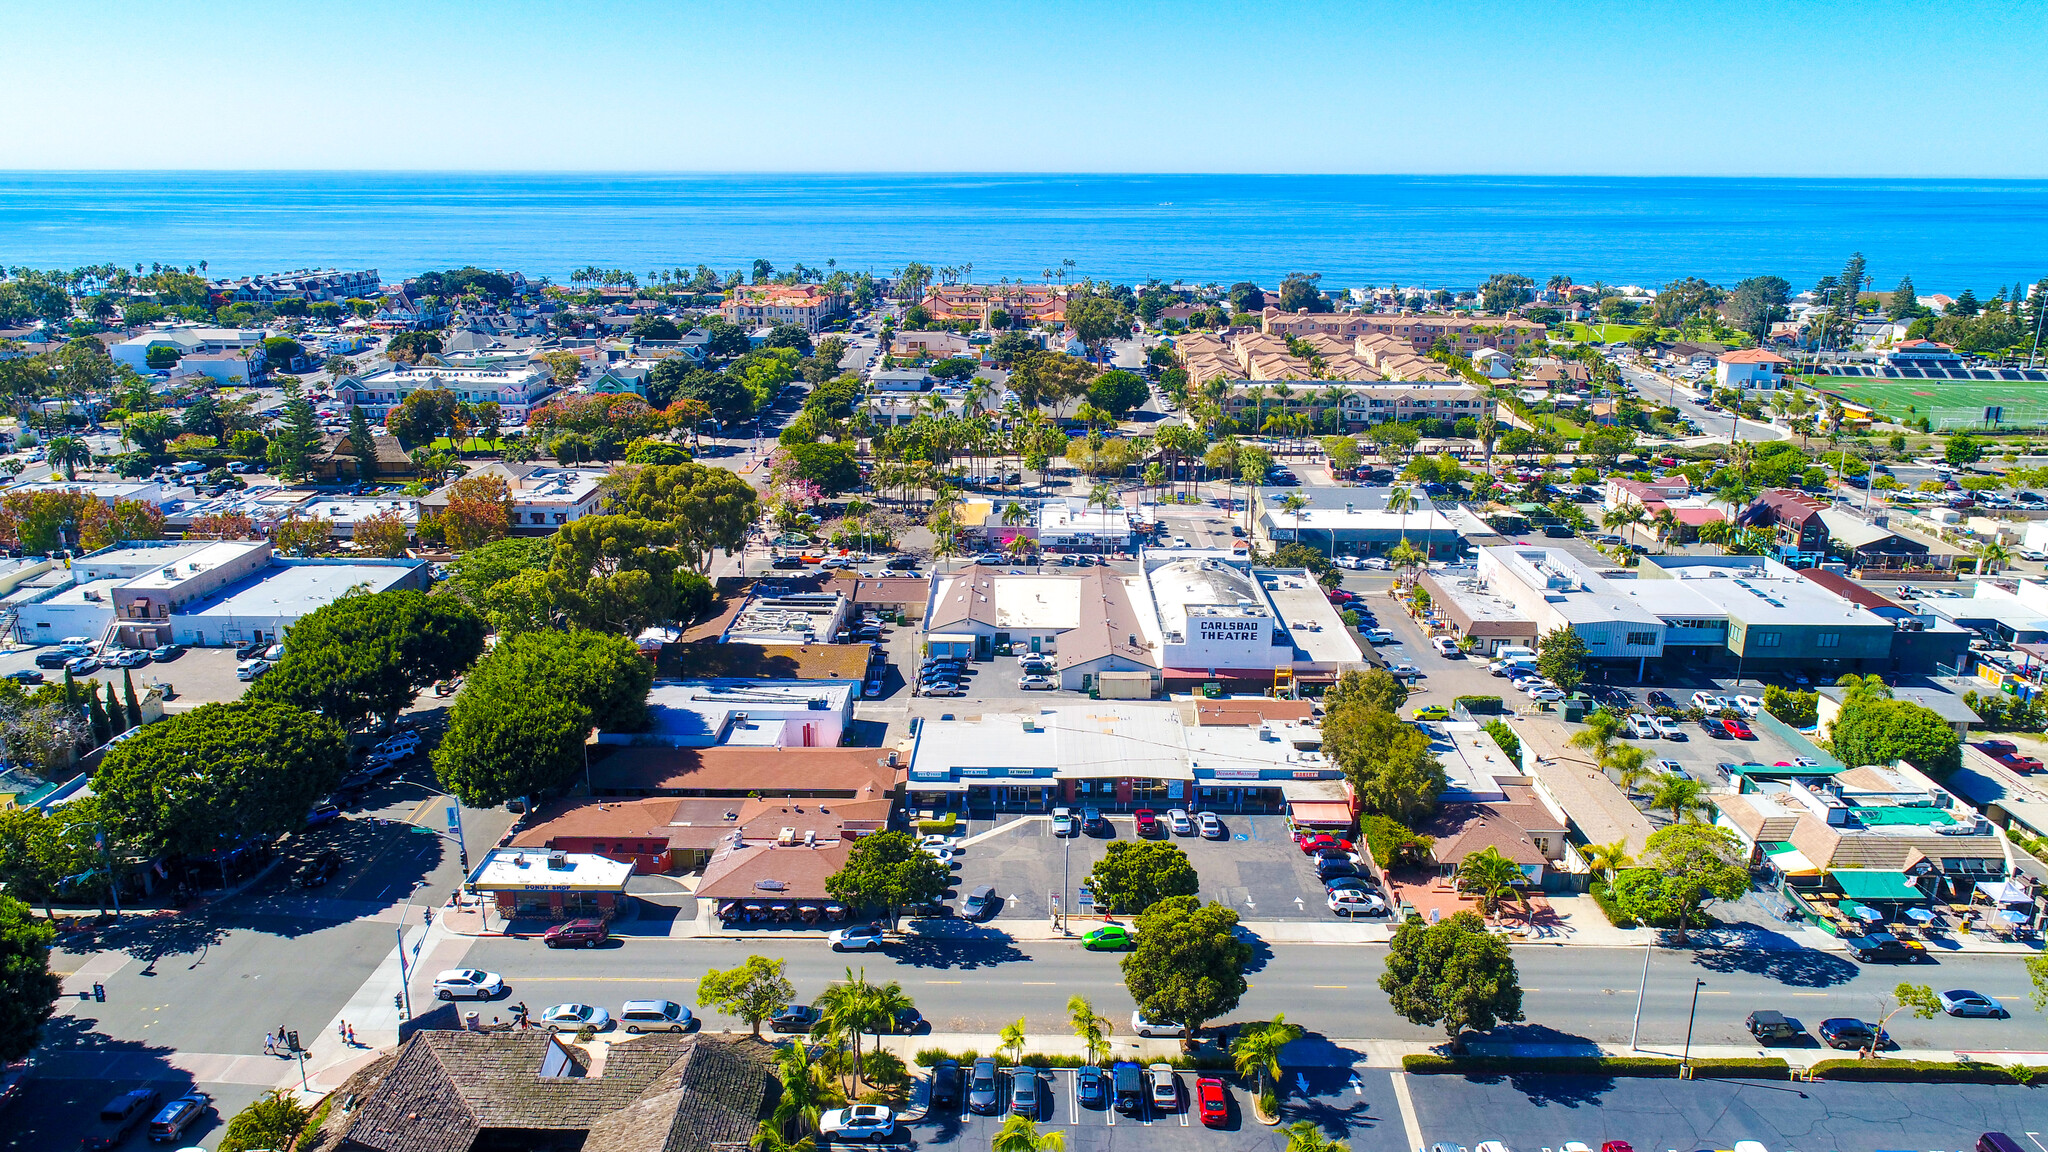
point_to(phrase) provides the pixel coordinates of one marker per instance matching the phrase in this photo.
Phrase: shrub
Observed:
(1389, 839)
(939, 827)
(1915, 1071)
(1506, 738)
(1604, 897)
(1799, 709)
(1479, 705)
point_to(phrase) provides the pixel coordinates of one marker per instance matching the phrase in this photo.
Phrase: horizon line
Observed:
(1025, 174)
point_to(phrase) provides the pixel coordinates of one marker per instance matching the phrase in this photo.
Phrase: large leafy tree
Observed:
(1136, 874)
(423, 416)
(753, 992)
(704, 507)
(482, 568)
(888, 870)
(1878, 731)
(369, 655)
(217, 774)
(519, 723)
(623, 573)
(1561, 657)
(1686, 866)
(1188, 965)
(28, 989)
(1387, 761)
(1454, 973)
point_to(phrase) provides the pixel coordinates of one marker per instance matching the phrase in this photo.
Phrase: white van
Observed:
(1515, 651)
(188, 467)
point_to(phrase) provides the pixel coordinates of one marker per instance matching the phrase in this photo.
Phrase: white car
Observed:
(1379, 636)
(1351, 902)
(1144, 1027)
(1707, 701)
(575, 1018)
(1211, 826)
(1446, 647)
(858, 938)
(1669, 729)
(1177, 819)
(1641, 727)
(1546, 696)
(1037, 683)
(860, 1122)
(251, 668)
(1376, 563)
(1747, 705)
(471, 982)
(1351, 562)
(1165, 1088)
(1533, 685)
(1406, 671)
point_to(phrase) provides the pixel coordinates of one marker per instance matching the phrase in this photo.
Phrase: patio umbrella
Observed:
(1919, 915)
(1863, 912)
(2013, 917)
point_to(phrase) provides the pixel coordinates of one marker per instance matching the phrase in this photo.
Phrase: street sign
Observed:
(1087, 899)
(454, 818)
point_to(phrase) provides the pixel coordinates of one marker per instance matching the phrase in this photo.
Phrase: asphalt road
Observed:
(983, 981)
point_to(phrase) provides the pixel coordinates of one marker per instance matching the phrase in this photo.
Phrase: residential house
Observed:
(334, 460)
(1794, 518)
(544, 496)
(1750, 368)
(304, 284)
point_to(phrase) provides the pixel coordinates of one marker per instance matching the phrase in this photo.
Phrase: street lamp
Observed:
(405, 981)
(1686, 1061)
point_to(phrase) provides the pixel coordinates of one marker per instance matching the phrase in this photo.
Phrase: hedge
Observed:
(943, 827)
(926, 1057)
(1479, 705)
(1646, 1067)
(1917, 1071)
(1604, 897)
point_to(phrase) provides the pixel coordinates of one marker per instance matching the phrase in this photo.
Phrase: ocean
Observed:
(1355, 230)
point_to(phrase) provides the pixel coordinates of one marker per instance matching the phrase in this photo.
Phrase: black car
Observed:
(1091, 1087)
(251, 650)
(1327, 870)
(52, 659)
(1659, 700)
(795, 1018)
(984, 1093)
(946, 1084)
(1844, 1032)
(119, 1118)
(1093, 822)
(1026, 1092)
(319, 870)
(796, 562)
(26, 676)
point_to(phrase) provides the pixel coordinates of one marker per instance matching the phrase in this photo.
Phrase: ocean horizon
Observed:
(1426, 231)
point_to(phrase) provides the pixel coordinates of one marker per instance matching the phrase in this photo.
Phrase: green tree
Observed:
(1307, 1136)
(360, 443)
(220, 773)
(1387, 761)
(1454, 973)
(1255, 1052)
(1377, 689)
(707, 508)
(486, 566)
(1506, 291)
(1561, 657)
(291, 448)
(369, 655)
(1091, 1027)
(68, 452)
(1133, 875)
(1302, 292)
(1878, 731)
(1685, 867)
(1919, 998)
(1118, 392)
(1680, 795)
(423, 417)
(28, 989)
(272, 1121)
(1962, 449)
(1188, 965)
(753, 992)
(888, 870)
(518, 725)
(1022, 1134)
(1490, 876)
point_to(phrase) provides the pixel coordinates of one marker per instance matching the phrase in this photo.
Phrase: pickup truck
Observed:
(1881, 947)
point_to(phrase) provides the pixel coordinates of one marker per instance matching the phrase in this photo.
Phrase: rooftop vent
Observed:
(558, 860)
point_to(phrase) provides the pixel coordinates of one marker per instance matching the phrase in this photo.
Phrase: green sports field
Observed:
(1957, 401)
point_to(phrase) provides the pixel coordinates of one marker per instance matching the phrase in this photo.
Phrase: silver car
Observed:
(1177, 819)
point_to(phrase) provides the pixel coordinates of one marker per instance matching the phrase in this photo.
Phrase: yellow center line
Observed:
(601, 979)
(1333, 986)
(1714, 992)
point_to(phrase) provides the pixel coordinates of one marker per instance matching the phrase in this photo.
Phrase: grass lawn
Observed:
(2025, 402)
(1601, 333)
(472, 444)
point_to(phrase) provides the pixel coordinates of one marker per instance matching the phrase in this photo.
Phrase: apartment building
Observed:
(215, 352)
(515, 388)
(766, 305)
(544, 496)
(303, 284)
(1468, 334)
(1025, 304)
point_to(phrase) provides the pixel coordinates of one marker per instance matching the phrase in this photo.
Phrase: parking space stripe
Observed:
(1407, 1105)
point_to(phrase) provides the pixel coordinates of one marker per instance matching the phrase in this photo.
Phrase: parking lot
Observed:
(196, 676)
(1259, 870)
(1105, 1127)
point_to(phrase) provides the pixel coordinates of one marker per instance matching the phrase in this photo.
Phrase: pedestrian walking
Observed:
(341, 1030)
(352, 1036)
(269, 1044)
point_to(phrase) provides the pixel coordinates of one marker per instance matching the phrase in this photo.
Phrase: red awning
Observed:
(1219, 674)
(1320, 813)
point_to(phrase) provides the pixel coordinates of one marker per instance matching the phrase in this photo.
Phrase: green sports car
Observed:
(1108, 938)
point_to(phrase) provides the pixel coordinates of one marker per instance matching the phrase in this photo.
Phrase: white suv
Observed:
(1641, 727)
(471, 982)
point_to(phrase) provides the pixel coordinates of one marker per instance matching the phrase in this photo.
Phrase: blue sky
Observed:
(1643, 88)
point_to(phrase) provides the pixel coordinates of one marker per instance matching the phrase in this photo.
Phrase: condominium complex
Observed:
(1025, 304)
(1467, 334)
(515, 388)
(758, 305)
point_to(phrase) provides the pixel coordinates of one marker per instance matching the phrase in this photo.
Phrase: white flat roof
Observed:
(1472, 762)
(516, 869)
(1222, 589)
(701, 707)
(1034, 601)
(289, 591)
(204, 560)
(1104, 739)
(1312, 622)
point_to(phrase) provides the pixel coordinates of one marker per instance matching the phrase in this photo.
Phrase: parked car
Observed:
(250, 650)
(1315, 842)
(322, 815)
(857, 938)
(179, 1115)
(470, 982)
(251, 669)
(164, 652)
(1378, 636)
(795, 1018)
(25, 676)
(1884, 948)
(654, 1016)
(1093, 822)
(857, 1122)
(574, 1018)
(1037, 683)
(1446, 647)
(1669, 729)
(1641, 727)
(1128, 1080)
(85, 665)
(1738, 729)
(1211, 826)
(1771, 1027)
(1547, 695)
(984, 1091)
(319, 870)
(1148, 822)
(1712, 726)
(1848, 1032)
(1963, 1002)
(1353, 902)
(1065, 823)
(1212, 1101)
(1026, 1091)
(1091, 1087)
(130, 658)
(1433, 712)
(945, 1086)
(1179, 823)
(119, 1118)
(944, 688)
(585, 933)
(1165, 1088)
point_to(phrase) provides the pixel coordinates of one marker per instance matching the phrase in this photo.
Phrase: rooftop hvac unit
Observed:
(558, 860)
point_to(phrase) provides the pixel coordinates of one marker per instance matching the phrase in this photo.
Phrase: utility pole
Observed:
(1635, 1029)
(1686, 1061)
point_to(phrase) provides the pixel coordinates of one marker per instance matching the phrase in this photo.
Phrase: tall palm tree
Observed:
(1093, 1029)
(1624, 516)
(1306, 1136)
(805, 1092)
(1666, 522)
(1627, 760)
(1993, 556)
(768, 1137)
(1400, 499)
(68, 452)
(1490, 876)
(1256, 1051)
(1021, 1134)
(1681, 796)
(1295, 503)
(1607, 859)
(849, 1008)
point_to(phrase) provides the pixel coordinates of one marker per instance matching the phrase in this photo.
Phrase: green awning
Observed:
(1875, 884)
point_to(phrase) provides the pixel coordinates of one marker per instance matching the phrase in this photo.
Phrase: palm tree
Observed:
(1400, 499)
(1093, 1029)
(1681, 796)
(1666, 522)
(1627, 762)
(1993, 556)
(1305, 1136)
(768, 1138)
(804, 1090)
(1021, 1134)
(68, 452)
(850, 1008)
(1624, 516)
(1490, 876)
(1295, 503)
(1407, 557)
(1256, 1051)
(1597, 737)
(1607, 859)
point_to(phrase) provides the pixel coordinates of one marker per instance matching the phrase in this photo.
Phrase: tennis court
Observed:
(1946, 403)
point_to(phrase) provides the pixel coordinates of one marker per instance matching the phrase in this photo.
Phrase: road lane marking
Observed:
(1805, 993)
(1037, 983)
(1408, 1121)
(601, 980)
(942, 981)
(1341, 987)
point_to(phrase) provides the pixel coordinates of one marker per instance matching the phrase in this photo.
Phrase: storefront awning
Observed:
(1875, 884)
(1320, 813)
(1791, 861)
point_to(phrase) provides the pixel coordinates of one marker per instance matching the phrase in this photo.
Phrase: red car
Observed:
(576, 934)
(1738, 729)
(1210, 1098)
(1148, 822)
(1616, 1146)
(1340, 596)
(1310, 845)
(2023, 763)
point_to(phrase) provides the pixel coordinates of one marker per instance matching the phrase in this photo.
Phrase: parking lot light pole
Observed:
(1635, 1029)
(1686, 1060)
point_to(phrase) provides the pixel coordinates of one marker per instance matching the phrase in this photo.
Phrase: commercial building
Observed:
(744, 714)
(544, 496)
(1025, 304)
(266, 602)
(346, 512)
(740, 772)
(767, 305)
(515, 388)
(1220, 619)
(1117, 757)
(1095, 620)
(221, 353)
(666, 834)
(543, 883)
(1356, 522)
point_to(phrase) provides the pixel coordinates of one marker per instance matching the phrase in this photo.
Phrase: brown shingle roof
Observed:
(743, 661)
(855, 773)
(738, 873)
